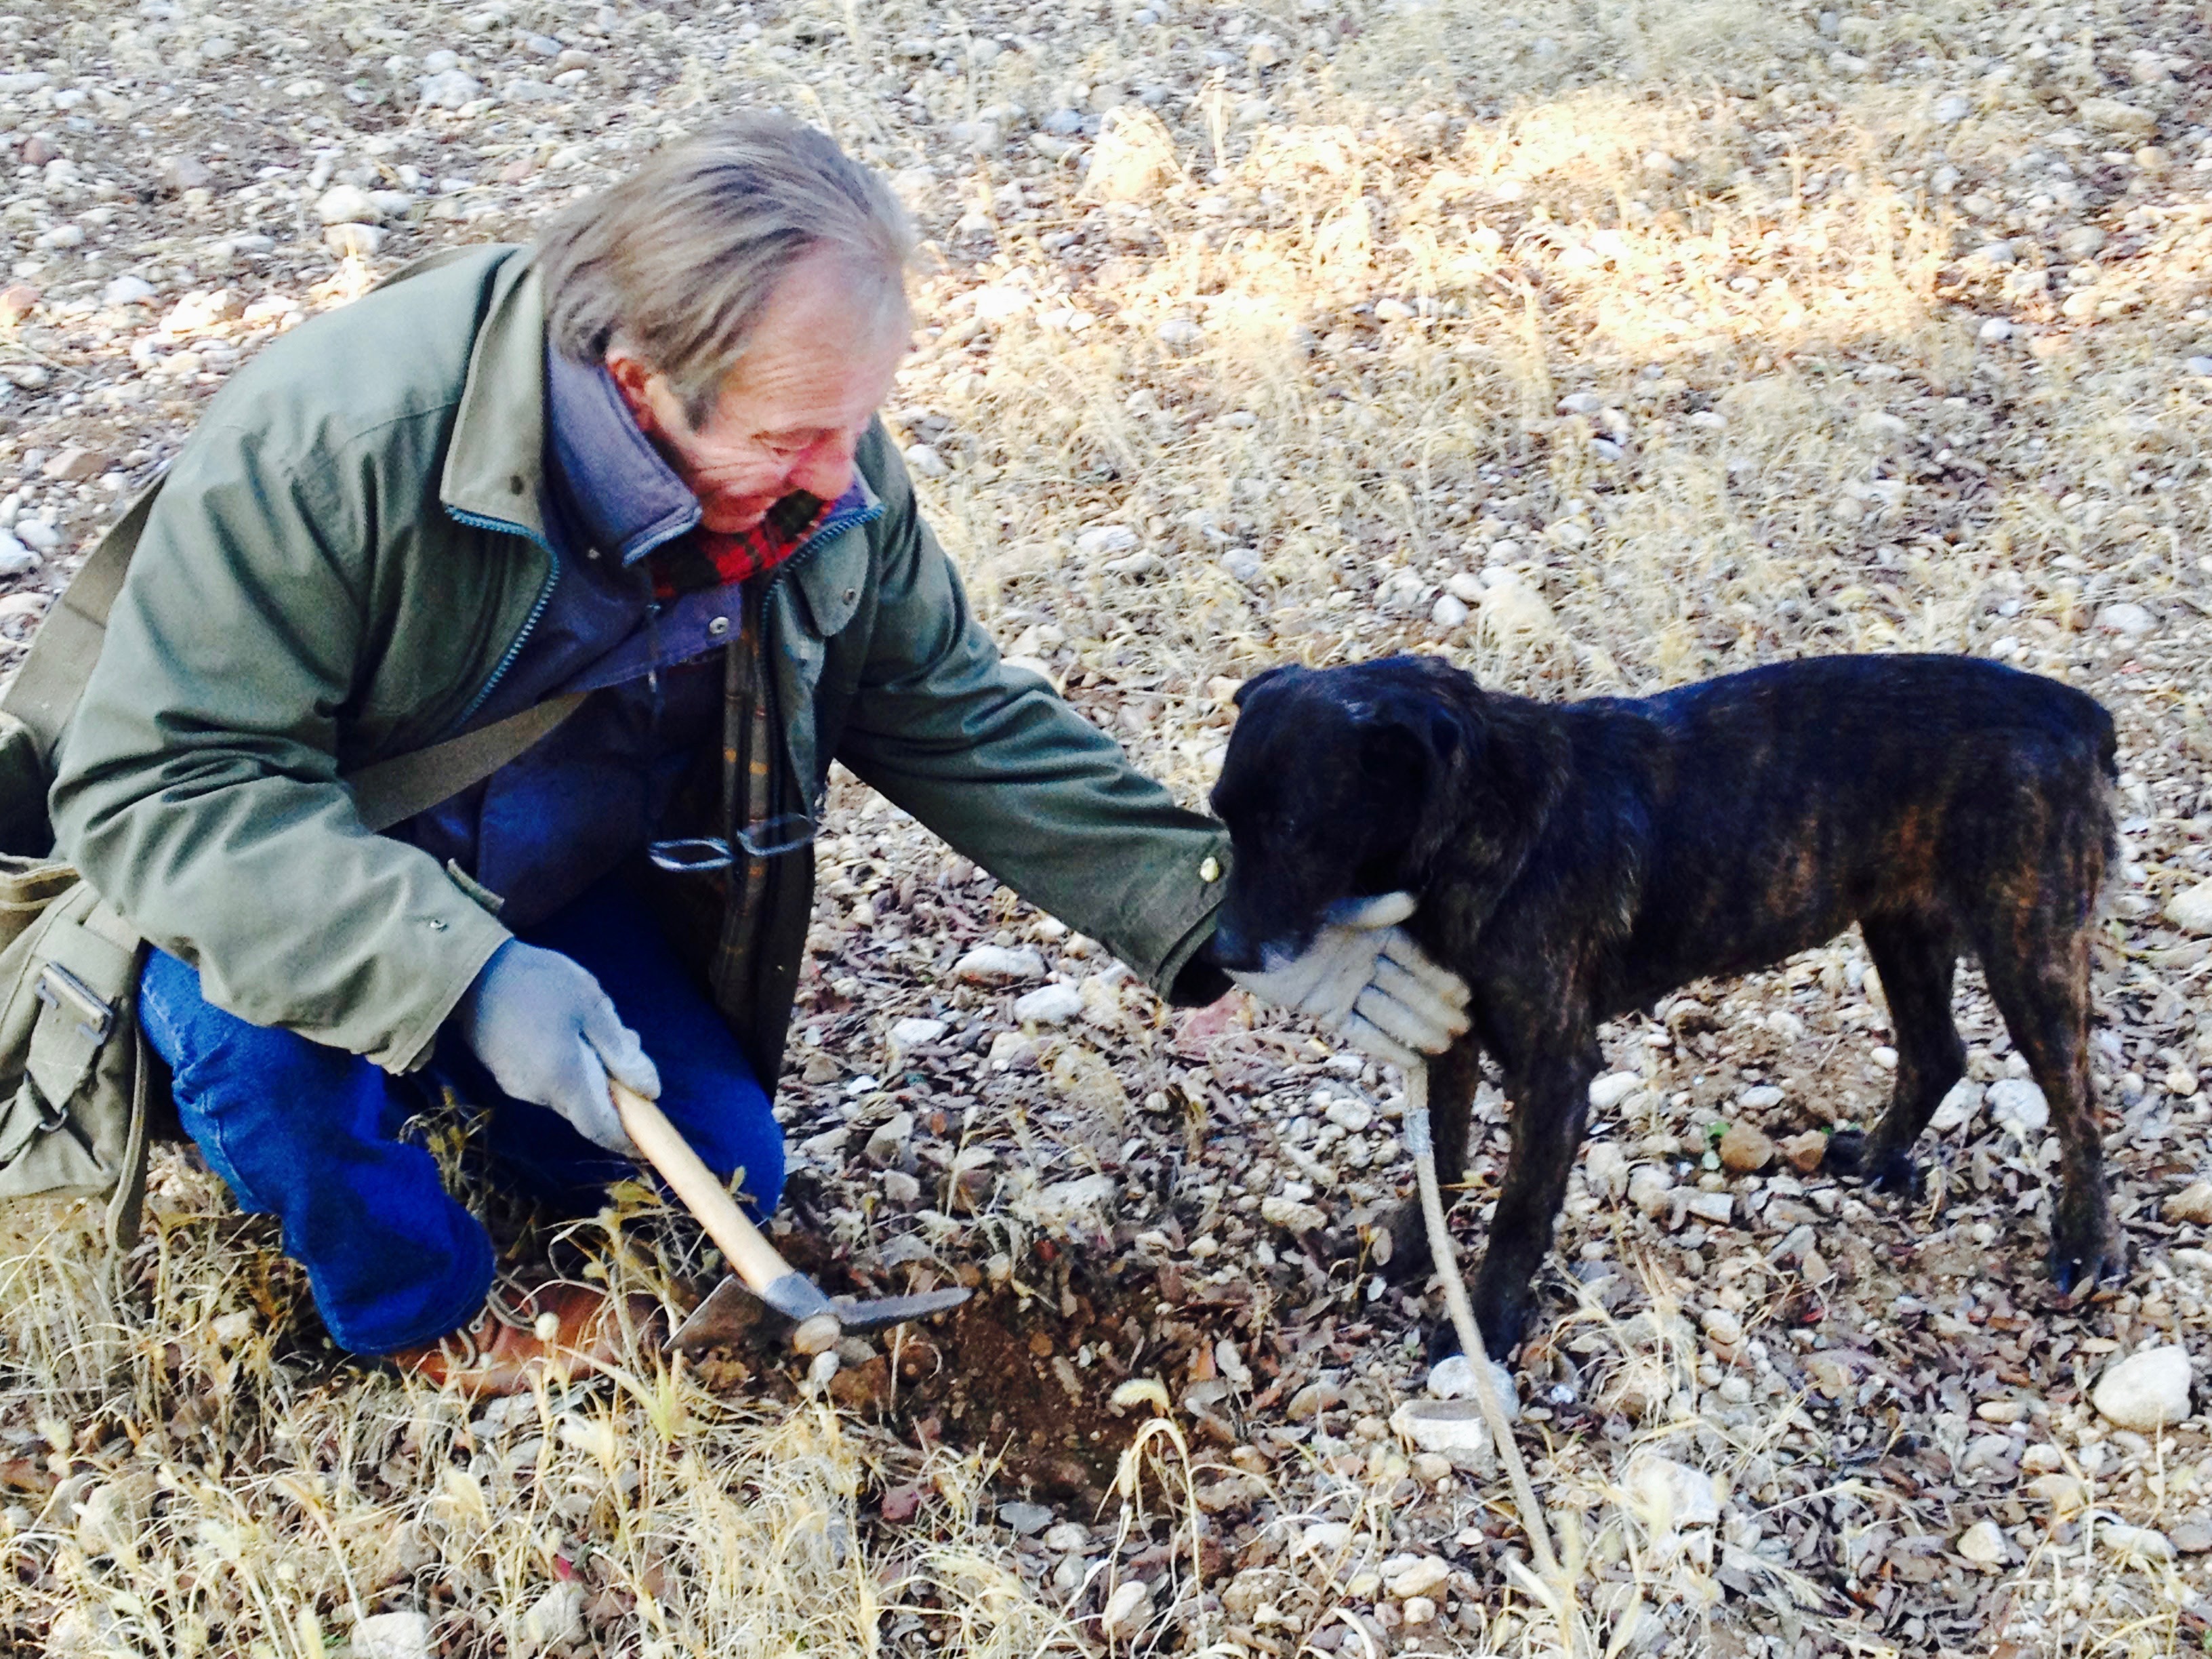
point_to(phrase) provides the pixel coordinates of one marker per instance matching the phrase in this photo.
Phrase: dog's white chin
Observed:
(1382, 910)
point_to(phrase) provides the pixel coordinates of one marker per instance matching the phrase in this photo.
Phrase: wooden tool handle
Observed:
(750, 1255)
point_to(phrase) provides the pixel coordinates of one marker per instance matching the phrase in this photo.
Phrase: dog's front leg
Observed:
(1550, 1111)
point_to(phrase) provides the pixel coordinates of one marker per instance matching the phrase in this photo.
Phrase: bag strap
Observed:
(46, 690)
(392, 791)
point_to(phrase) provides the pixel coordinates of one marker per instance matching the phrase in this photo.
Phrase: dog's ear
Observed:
(1409, 739)
(1256, 682)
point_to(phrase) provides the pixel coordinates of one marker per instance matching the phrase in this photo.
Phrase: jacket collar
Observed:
(496, 457)
(630, 499)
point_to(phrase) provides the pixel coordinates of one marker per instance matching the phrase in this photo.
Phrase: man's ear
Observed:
(635, 381)
(1257, 681)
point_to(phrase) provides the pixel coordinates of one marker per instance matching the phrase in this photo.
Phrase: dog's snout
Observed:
(1234, 951)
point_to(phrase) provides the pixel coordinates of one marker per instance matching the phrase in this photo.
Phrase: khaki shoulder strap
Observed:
(45, 690)
(392, 791)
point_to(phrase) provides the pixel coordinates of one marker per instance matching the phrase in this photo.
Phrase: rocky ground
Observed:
(1599, 351)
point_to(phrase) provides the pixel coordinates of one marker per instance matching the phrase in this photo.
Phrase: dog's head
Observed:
(1330, 791)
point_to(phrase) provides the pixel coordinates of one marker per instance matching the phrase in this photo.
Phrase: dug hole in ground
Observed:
(1596, 349)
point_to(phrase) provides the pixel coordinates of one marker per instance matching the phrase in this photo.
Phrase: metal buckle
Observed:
(695, 855)
(59, 988)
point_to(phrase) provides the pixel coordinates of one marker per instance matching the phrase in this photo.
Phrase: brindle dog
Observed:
(1574, 861)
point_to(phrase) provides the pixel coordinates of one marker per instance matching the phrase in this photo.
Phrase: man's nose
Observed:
(825, 471)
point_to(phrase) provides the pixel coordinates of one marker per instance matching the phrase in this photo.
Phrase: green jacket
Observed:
(349, 551)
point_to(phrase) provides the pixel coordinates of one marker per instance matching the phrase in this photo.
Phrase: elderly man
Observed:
(638, 463)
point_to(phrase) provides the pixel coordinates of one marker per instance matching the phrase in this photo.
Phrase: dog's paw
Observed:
(1411, 1259)
(1855, 1154)
(1444, 1342)
(2087, 1252)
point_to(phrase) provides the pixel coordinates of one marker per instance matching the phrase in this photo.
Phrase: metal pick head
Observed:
(883, 1312)
(731, 1311)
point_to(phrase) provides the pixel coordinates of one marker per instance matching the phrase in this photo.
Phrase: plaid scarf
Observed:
(705, 559)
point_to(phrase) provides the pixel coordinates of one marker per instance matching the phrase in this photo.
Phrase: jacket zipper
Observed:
(529, 623)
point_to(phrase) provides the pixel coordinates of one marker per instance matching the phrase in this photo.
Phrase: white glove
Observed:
(1364, 978)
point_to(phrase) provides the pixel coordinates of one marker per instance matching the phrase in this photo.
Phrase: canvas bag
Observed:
(74, 1066)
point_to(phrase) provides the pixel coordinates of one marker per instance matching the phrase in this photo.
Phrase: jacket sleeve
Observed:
(196, 787)
(993, 761)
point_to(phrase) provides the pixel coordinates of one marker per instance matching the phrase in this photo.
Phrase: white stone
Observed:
(924, 459)
(2200, 366)
(555, 1617)
(1465, 586)
(997, 964)
(2191, 911)
(1608, 1091)
(1025, 1518)
(2146, 1391)
(1353, 1116)
(1672, 1494)
(126, 290)
(1067, 1537)
(1993, 329)
(353, 241)
(2193, 1203)
(38, 535)
(16, 559)
(889, 1144)
(1982, 1543)
(2126, 618)
(1951, 107)
(1417, 1575)
(448, 88)
(1326, 1538)
(1104, 539)
(1452, 1379)
(1049, 1004)
(1723, 1327)
(2019, 1105)
(1761, 1097)
(1649, 1188)
(1293, 1215)
(2143, 1544)
(1452, 1429)
(1606, 1167)
(911, 1033)
(345, 204)
(1449, 611)
(392, 1636)
(1128, 1610)
(1393, 310)
(1718, 1209)
(1958, 1107)
(1581, 403)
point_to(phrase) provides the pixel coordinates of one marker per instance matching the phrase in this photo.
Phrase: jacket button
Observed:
(514, 485)
(718, 626)
(851, 594)
(438, 923)
(1210, 869)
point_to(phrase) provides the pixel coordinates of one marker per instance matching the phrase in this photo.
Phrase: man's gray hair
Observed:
(678, 264)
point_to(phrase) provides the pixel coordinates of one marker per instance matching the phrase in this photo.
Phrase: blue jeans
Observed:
(308, 1133)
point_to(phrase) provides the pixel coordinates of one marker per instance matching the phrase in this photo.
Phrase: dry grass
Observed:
(1318, 359)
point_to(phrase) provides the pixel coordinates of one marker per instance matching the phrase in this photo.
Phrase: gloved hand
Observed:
(1364, 978)
(547, 1034)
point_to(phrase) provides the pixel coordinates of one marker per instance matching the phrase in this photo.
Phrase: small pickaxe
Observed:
(760, 1269)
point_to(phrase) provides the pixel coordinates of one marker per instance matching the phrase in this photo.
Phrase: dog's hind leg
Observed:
(1453, 1076)
(1917, 957)
(1551, 1109)
(2041, 987)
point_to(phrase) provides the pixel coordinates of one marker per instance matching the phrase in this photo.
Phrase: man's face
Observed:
(791, 412)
